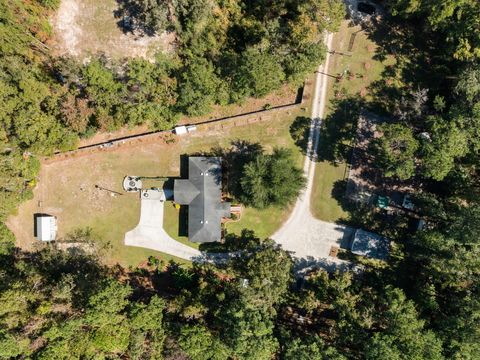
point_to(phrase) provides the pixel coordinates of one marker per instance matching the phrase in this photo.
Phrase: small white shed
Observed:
(191, 128)
(46, 227)
(180, 130)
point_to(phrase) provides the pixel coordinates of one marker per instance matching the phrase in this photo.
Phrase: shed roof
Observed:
(45, 227)
(202, 193)
(370, 245)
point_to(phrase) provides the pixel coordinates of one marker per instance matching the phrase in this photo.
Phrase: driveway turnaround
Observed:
(308, 239)
(149, 232)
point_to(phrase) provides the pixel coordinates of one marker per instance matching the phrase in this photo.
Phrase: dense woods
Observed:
(56, 306)
(431, 141)
(423, 304)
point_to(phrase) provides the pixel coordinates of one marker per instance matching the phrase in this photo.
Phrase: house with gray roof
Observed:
(370, 245)
(202, 193)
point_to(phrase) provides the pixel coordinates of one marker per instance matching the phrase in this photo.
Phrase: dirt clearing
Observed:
(88, 27)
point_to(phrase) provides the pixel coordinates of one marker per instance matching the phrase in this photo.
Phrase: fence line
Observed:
(167, 136)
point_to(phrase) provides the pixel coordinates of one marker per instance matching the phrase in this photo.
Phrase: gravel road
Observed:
(307, 238)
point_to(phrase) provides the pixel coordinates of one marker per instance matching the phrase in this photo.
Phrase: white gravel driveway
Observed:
(308, 239)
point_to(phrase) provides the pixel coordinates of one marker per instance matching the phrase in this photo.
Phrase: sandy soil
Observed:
(82, 28)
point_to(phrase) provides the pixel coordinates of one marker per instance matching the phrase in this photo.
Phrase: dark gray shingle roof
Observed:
(202, 193)
(370, 245)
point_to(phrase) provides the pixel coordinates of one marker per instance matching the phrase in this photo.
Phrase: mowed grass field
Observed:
(324, 205)
(264, 221)
(67, 189)
(360, 69)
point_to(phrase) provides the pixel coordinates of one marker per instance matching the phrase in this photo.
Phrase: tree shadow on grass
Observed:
(386, 95)
(338, 130)
(213, 247)
(420, 61)
(338, 193)
(299, 131)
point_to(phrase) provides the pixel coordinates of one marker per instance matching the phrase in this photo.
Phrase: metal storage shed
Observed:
(45, 227)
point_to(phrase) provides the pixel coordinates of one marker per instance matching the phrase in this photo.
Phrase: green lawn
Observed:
(345, 97)
(264, 222)
(359, 70)
(325, 206)
(108, 229)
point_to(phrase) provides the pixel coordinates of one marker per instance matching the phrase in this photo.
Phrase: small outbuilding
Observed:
(45, 227)
(180, 130)
(191, 128)
(370, 245)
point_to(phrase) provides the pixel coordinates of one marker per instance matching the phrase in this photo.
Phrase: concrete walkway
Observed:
(308, 239)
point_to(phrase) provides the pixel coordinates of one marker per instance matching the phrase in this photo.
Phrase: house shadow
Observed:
(168, 187)
(183, 221)
(184, 166)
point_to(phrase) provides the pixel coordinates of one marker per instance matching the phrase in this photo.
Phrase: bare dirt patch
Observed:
(84, 28)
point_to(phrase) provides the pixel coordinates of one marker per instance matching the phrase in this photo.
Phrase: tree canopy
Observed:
(456, 20)
(396, 150)
(271, 179)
